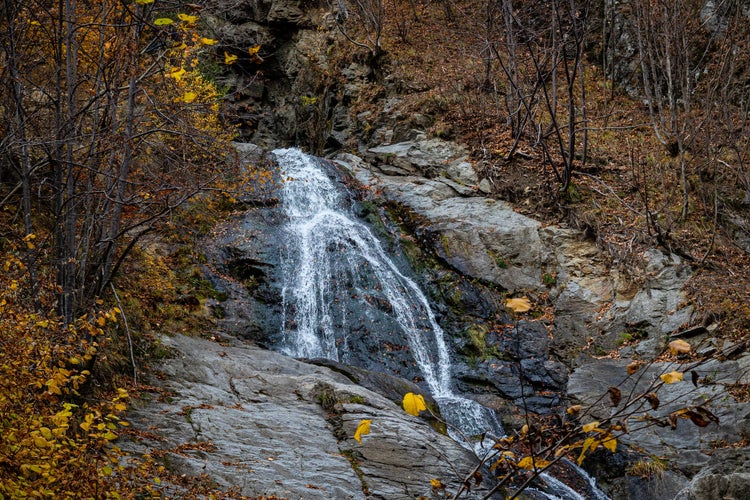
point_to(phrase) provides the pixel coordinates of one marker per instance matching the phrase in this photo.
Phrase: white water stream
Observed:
(328, 246)
(331, 255)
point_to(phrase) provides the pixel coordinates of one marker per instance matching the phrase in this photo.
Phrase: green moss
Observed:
(477, 334)
(355, 458)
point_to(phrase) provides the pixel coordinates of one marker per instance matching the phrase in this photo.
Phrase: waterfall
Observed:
(336, 275)
(332, 259)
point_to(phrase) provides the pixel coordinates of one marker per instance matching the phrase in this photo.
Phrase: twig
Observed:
(127, 333)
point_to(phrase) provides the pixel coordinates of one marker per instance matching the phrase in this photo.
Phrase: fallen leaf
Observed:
(671, 377)
(653, 400)
(573, 410)
(437, 484)
(590, 426)
(413, 403)
(362, 428)
(679, 346)
(518, 305)
(615, 395)
(633, 367)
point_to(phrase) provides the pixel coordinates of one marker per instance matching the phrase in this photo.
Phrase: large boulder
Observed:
(686, 447)
(266, 424)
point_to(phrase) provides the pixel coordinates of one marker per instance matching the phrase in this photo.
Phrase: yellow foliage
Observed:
(591, 426)
(671, 377)
(530, 462)
(610, 444)
(44, 452)
(518, 305)
(413, 403)
(229, 58)
(362, 428)
(187, 18)
(437, 484)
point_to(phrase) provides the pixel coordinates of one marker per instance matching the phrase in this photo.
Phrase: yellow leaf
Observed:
(177, 74)
(189, 96)
(633, 367)
(86, 424)
(437, 484)
(610, 444)
(40, 442)
(253, 50)
(187, 18)
(209, 41)
(679, 347)
(590, 426)
(671, 377)
(52, 387)
(144, 2)
(101, 321)
(588, 444)
(229, 58)
(518, 305)
(45, 432)
(163, 21)
(413, 403)
(529, 463)
(362, 428)
(573, 410)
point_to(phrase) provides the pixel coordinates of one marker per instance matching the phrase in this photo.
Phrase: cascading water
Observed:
(332, 258)
(338, 276)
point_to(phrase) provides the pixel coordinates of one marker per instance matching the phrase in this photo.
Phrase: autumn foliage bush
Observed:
(55, 437)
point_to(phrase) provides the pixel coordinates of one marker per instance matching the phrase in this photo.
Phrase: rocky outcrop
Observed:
(271, 425)
(687, 448)
(727, 475)
(596, 306)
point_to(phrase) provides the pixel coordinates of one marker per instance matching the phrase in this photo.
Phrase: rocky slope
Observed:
(479, 250)
(271, 425)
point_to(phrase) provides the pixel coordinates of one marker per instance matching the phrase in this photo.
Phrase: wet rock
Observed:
(281, 427)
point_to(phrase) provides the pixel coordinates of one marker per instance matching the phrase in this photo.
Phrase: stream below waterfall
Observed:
(339, 284)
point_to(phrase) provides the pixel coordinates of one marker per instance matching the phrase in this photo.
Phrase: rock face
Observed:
(687, 447)
(282, 427)
(482, 238)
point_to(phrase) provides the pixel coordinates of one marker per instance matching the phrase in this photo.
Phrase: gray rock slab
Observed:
(688, 447)
(261, 412)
